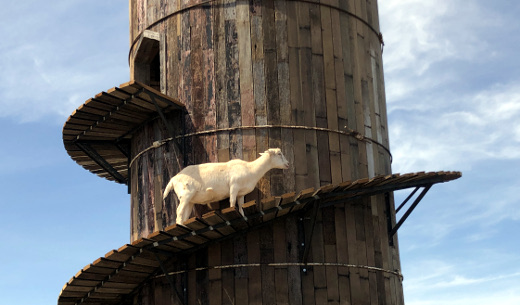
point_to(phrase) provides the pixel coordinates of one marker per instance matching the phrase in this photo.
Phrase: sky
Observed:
(452, 79)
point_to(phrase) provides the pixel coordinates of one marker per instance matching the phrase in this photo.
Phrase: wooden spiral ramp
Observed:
(114, 278)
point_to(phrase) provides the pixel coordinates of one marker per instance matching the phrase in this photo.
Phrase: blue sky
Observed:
(453, 96)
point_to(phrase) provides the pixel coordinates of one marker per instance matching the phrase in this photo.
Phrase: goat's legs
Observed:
(240, 204)
(184, 209)
(233, 193)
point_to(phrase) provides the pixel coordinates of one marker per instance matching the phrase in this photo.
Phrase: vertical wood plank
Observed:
(159, 169)
(162, 294)
(267, 256)
(215, 275)
(202, 278)
(246, 78)
(209, 84)
(280, 256)
(241, 274)
(306, 48)
(330, 93)
(361, 251)
(196, 24)
(300, 160)
(198, 91)
(259, 91)
(370, 249)
(192, 280)
(377, 218)
(397, 290)
(342, 254)
(339, 33)
(132, 17)
(355, 281)
(271, 89)
(172, 58)
(348, 144)
(282, 55)
(330, 255)
(186, 84)
(323, 175)
(221, 86)
(294, 278)
(233, 81)
(134, 199)
(228, 277)
(318, 255)
(255, 276)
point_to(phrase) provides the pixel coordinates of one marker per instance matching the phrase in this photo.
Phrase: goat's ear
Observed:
(261, 154)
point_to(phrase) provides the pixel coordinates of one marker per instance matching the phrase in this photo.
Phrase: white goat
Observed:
(210, 182)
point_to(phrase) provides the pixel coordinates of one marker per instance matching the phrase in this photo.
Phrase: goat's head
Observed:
(277, 158)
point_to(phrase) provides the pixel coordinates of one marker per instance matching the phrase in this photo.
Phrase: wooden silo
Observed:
(222, 79)
(286, 64)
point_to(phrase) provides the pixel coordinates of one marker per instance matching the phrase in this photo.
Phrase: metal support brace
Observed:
(169, 127)
(392, 232)
(406, 200)
(169, 278)
(308, 239)
(93, 154)
(124, 150)
(388, 212)
(183, 122)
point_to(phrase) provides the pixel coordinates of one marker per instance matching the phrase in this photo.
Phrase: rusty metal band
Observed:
(275, 265)
(203, 3)
(352, 133)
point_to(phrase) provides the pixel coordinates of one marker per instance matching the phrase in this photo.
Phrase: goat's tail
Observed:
(168, 189)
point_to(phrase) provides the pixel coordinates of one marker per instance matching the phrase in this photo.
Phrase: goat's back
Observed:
(210, 181)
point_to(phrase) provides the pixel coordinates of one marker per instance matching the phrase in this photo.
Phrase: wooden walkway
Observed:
(118, 274)
(97, 135)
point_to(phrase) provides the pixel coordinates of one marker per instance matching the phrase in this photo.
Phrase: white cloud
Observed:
(453, 98)
(409, 25)
(480, 126)
(53, 62)
(459, 282)
(419, 33)
(435, 123)
(445, 117)
(425, 43)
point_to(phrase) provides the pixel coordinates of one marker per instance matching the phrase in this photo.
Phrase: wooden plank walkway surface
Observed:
(121, 272)
(105, 123)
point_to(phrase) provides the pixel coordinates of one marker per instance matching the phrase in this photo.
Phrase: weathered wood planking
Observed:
(195, 28)
(282, 54)
(309, 25)
(300, 159)
(273, 114)
(244, 63)
(259, 86)
(210, 85)
(255, 275)
(243, 25)
(106, 123)
(271, 87)
(233, 80)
